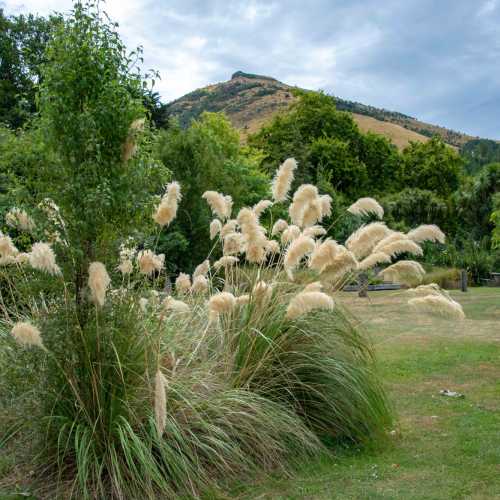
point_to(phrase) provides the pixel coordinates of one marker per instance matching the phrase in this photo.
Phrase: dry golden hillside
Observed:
(250, 101)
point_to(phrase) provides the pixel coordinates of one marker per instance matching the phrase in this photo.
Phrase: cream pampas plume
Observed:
(200, 284)
(279, 226)
(314, 231)
(373, 260)
(364, 239)
(313, 213)
(225, 261)
(221, 205)
(99, 282)
(400, 246)
(297, 250)
(19, 219)
(126, 267)
(262, 291)
(404, 269)
(215, 228)
(254, 235)
(303, 197)
(27, 334)
(233, 244)
(160, 405)
(42, 257)
(272, 247)
(220, 303)
(8, 261)
(183, 283)
(202, 269)
(313, 287)
(130, 147)
(391, 237)
(228, 228)
(430, 289)
(283, 180)
(438, 304)
(326, 205)
(427, 232)
(22, 258)
(323, 255)
(149, 262)
(366, 206)
(174, 305)
(242, 300)
(167, 209)
(143, 304)
(7, 248)
(308, 301)
(289, 234)
(261, 207)
(343, 263)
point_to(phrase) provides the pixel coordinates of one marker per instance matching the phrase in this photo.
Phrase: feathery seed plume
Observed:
(183, 283)
(242, 300)
(167, 209)
(314, 231)
(99, 282)
(222, 302)
(225, 261)
(305, 302)
(220, 204)
(228, 228)
(439, 305)
(366, 206)
(7, 248)
(215, 228)
(42, 257)
(283, 180)
(262, 206)
(233, 244)
(303, 197)
(262, 291)
(402, 270)
(373, 260)
(401, 246)
(316, 286)
(364, 239)
(160, 402)
(174, 305)
(200, 284)
(18, 218)
(279, 226)
(430, 289)
(427, 232)
(149, 262)
(126, 267)
(289, 234)
(130, 146)
(323, 255)
(27, 334)
(272, 247)
(326, 205)
(202, 269)
(298, 249)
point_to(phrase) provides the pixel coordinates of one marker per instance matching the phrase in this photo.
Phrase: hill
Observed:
(251, 100)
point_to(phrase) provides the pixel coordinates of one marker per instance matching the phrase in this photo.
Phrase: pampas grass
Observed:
(99, 282)
(373, 260)
(308, 301)
(182, 283)
(19, 219)
(366, 206)
(427, 232)
(400, 246)
(439, 305)
(297, 250)
(283, 179)
(291, 233)
(278, 227)
(7, 247)
(200, 284)
(42, 257)
(225, 261)
(403, 270)
(220, 303)
(167, 209)
(261, 207)
(215, 228)
(324, 255)
(27, 334)
(364, 239)
(314, 231)
(160, 402)
(220, 204)
(149, 262)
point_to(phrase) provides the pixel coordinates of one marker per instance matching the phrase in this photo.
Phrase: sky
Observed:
(436, 60)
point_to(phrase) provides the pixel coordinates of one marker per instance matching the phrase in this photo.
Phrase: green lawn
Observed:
(442, 448)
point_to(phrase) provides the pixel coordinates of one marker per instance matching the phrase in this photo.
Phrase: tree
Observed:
(433, 166)
(23, 40)
(207, 156)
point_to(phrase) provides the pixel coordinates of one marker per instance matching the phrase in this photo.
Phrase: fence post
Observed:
(463, 280)
(363, 285)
